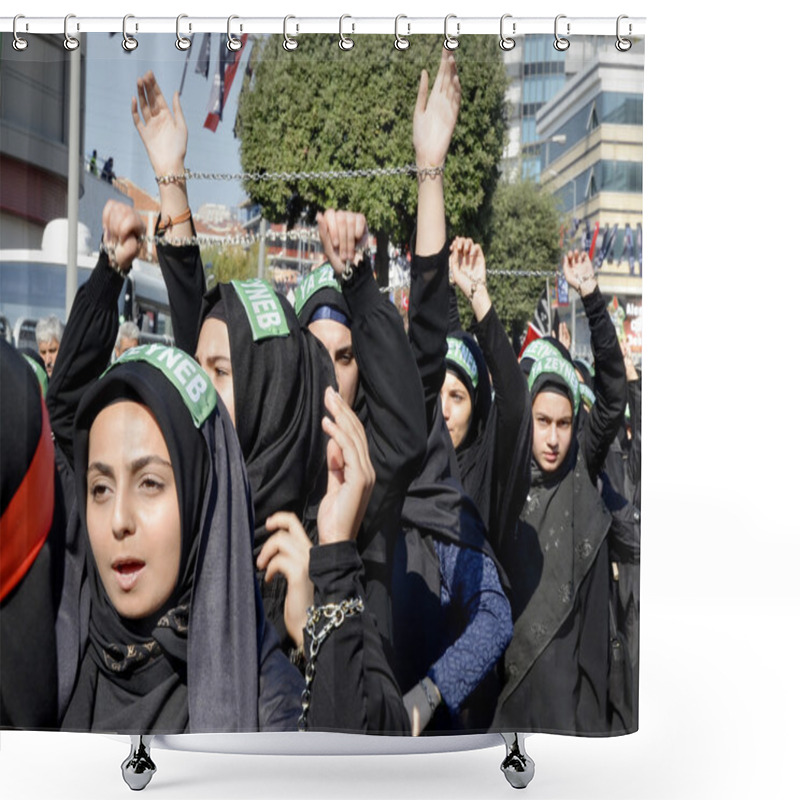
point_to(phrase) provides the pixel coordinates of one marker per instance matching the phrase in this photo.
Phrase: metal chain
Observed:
(265, 177)
(335, 613)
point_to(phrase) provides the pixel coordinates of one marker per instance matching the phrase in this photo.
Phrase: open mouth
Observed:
(127, 572)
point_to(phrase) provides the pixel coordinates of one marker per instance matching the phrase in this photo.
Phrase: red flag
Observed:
(594, 240)
(531, 336)
(223, 80)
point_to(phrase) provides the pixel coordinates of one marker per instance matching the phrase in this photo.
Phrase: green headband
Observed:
(458, 353)
(587, 395)
(322, 277)
(263, 308)
(562, 369)
(539, 349)
(182, 371)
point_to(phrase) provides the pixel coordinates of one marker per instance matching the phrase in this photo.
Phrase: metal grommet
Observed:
(70, 42)
(129, 44)
(451, 42)
(400, 42)
(560, 43)
(507, 42)
(345, 43)
(288, 42)
(233, 43)
(19, 44)
(182, 42)
(623, 45)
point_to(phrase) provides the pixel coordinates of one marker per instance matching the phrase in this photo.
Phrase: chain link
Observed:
(335, 614)
(266, 177)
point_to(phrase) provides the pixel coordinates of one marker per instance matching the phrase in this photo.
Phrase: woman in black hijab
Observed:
(31, 548)
(169, 624)
(557, 666)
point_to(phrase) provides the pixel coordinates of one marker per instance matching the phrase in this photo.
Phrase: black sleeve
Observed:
(427, 323)
(608, 412)
(185, 279)
(513, 425)
(85, 350)
(353, 687)
(635, 458)
(395, 427)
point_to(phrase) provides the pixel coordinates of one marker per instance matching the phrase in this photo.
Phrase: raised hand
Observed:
(468, 272)
(122, 227)
(344, 236)
(163, 132)
(286, 552)
(564, 336)
(351, 475)
(435, 116)
(579, 272)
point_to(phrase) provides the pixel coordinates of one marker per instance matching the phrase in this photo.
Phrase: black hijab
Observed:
(167, 674)
(561, 531)
(280, 373)
(31, 532)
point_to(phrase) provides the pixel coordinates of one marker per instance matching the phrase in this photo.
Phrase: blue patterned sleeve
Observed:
(473, 600)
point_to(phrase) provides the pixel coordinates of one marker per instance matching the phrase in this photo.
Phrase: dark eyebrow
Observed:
(347, 350)
(103, 469)
(145, 461)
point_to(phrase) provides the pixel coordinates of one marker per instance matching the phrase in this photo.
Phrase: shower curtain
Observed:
(536, 630)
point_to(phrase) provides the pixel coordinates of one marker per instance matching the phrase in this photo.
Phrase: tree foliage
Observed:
(225, 264)
(320, 108)
(524, 236)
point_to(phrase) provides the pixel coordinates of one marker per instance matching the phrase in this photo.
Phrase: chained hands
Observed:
(122, 227)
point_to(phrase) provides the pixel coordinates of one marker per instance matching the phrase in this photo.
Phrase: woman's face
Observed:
(338, 341)
(132, 510)
(552, 430)
(214, 356)
(456, 407)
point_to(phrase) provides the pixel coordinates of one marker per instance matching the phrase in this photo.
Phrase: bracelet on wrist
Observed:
(429, 172)
(163, 226)
(474, 288)
(111, 254)
(172, 177)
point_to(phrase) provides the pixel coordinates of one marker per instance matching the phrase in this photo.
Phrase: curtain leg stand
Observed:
(518, 766)
(138, 768)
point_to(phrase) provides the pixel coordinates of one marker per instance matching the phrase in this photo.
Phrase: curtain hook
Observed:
(451, 42)
(233, 44)
(560, 43)
(19, 44)
(400, 42)
(288, 42)
(507, 42)
(70, 42)
(182, 42)
(623, 45)
(345, 43)
(129, 44)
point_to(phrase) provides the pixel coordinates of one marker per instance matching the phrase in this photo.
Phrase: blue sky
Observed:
(111, 83)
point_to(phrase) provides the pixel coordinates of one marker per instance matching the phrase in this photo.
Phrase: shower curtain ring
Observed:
(233, 44)
(182, 42)
(288, 42)
(623, 45)
(507, 42)
(451, 42)
(129, 44)
(561, 43)
(19, 44)
(70, 42)
(345, 42)
(400, 42)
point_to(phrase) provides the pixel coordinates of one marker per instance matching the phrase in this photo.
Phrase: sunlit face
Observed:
(338, 341)
(214, 356)
(552, 430)
(132, 513)
(48, 352)
(456, 407)
(124, 344)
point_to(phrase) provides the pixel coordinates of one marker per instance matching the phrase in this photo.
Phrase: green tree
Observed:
(320, 108)
(224, 264)
(524, 236)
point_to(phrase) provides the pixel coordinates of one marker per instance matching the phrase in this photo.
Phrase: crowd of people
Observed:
(306, 516)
